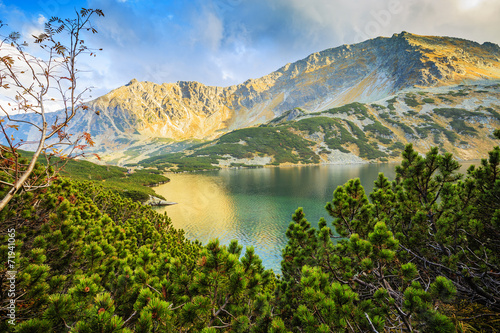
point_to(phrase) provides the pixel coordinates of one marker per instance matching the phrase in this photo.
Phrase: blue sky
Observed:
(225, 42)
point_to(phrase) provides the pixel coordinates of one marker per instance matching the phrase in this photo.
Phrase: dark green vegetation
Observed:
(390, 103)
(274, 141)
(350, 109)
(458, 117)
(410, 100)
(134, 184)
(414, 254)
(183, 162)
(417, 254)
(393, 122)
(424, 130)
(278, 142)
(427, 241)
(378, 129)
(89, 260)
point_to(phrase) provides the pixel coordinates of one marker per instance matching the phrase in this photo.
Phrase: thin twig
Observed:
(371, 324)
(133, 314)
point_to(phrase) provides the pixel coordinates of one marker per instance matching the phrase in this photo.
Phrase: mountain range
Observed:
(388, 88)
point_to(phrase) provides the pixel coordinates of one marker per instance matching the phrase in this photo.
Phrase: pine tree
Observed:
(428, 238)
(354, 284)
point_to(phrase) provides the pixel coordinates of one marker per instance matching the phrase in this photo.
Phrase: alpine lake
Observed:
(255, 206)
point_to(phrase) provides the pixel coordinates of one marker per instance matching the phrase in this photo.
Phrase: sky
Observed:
(226, 42)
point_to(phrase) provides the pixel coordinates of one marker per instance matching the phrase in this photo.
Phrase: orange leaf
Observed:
(88, 139)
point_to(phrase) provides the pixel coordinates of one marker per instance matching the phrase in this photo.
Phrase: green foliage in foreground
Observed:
(427, 239)
(418, 254)
(89, 260)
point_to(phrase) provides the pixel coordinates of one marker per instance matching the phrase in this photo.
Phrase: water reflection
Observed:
(204, 207)
(255, 206)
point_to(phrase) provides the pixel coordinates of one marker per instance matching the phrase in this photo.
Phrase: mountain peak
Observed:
(403, 34)
(491, 46)
(132, 82)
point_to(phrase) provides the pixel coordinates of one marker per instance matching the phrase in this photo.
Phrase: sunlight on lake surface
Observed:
(255, 206)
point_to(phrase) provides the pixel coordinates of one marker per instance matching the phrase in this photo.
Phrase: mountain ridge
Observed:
(166, 116)
(361, 72)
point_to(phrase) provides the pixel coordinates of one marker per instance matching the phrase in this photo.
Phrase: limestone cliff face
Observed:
(361, 72)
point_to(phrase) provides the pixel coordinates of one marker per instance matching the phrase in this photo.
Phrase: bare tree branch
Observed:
(58, 66)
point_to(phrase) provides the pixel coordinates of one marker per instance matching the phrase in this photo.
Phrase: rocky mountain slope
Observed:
(362, 72)
(144, 119)
(459, 120)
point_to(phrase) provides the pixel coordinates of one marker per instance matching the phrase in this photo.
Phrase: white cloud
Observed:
(469, 4)
(23, 70)
(226, 75)
(207, 29)
(41, 19)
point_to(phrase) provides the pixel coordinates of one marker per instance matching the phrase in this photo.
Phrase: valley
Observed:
(388, 132)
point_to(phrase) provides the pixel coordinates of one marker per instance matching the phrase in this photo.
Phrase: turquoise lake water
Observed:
(255, 206)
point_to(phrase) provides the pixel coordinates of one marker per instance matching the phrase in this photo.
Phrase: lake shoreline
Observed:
(254, 206)
(282, 165)
(292, 165)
